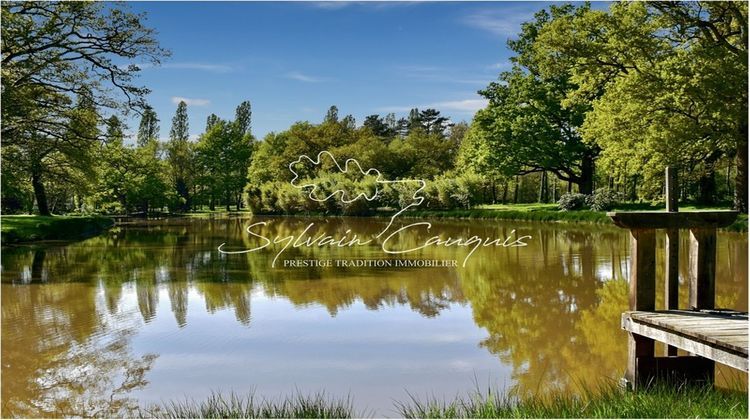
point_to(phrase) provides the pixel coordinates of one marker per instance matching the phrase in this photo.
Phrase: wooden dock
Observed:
(716, 335)
(706, 334)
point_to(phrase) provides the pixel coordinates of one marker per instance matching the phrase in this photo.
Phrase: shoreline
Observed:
(574, 217)
(25, 229)
(20, 229)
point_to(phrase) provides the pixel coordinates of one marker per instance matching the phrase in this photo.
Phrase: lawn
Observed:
(25, 228)
(550, 213)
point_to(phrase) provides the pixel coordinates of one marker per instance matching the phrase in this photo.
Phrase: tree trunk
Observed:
(40, 193)
(543, 187)
(586, 183)
(707, 188)
(505, 192)
(740, 180)
(515, 191)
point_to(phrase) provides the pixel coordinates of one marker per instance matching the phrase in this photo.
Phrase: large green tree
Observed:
(527, 125)
(667, 82)
(223, 154)
(180, 157)
(55, 53)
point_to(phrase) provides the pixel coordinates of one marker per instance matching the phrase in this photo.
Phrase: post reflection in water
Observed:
(152, 311)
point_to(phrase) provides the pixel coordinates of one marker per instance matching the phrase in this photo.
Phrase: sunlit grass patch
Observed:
(660, 401)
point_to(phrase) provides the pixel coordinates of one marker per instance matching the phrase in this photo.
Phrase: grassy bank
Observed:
(26, 228)
(608, 402)
(233, 406)
(550, 213)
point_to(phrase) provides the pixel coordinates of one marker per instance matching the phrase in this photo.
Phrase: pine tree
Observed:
(149, 128)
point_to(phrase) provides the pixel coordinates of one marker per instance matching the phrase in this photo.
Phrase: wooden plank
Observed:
(711, 351)
(711, 329)
(702, 272)
(665, 220)
(643, 269)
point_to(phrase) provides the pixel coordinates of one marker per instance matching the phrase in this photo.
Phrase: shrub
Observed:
(572, 201)
(603, 199)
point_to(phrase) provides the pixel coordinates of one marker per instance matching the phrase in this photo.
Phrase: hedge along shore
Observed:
(29, 228)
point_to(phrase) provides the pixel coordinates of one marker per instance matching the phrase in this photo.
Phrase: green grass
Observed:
(605, 402)
(218, 406)
(550, 213)
(26, 228)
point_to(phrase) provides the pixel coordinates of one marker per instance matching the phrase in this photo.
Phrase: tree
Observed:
(652, 69)
(527, 124)
(211, 120)
(179, 157)
(432, 122)
(223, 154)
(56, 52)
(332, 115)
(149, 127)
(349, 122)
(384, 128)
(243, 118)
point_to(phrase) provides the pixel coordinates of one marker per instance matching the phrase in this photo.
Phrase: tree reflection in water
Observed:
(551, 310)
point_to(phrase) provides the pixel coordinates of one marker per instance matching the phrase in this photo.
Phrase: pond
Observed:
(151, 311)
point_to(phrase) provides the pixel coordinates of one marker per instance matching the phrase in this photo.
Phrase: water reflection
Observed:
(88, 325)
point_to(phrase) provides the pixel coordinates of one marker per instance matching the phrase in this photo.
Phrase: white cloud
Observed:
(432, 74)
(464, 106)
(376, 5)
(190, 101)
(330, 5)
(301, 77)
(211, 67)
(503, 65)
(498, 22)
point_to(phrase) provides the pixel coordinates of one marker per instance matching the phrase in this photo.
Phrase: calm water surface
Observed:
(152, 311)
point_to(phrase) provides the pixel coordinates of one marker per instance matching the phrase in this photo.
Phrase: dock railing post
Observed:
(642, 296)
(672, 251)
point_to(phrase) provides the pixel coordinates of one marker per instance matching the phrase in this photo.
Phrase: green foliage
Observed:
(527, 127)
(181, 159)
(603, 199)
(59, 71)
(420, 154)
(572, 201)
(666, 83)
(222, 155)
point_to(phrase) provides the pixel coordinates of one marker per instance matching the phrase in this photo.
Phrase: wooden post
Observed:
(672, 190)
(642, 298)
(643, 269)
(702, 268)
(672, 252)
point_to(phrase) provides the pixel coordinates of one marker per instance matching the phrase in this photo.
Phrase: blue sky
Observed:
(293, 60)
